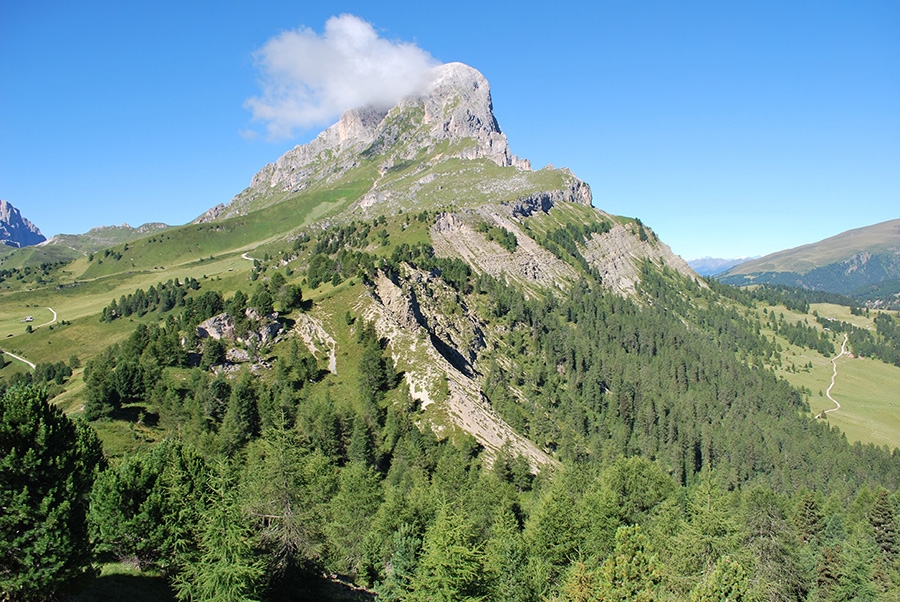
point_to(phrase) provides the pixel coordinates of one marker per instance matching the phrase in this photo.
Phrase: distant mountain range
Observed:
(863, 263)
(710, 266)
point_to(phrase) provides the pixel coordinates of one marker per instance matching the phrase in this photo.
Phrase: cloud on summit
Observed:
(308, 79)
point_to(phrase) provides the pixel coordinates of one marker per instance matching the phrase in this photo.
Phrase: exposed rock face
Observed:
(216, 327)
(457, 107)
(15, 230)
(530, 265)
(617, 255)
(420, 336)
(577, 192)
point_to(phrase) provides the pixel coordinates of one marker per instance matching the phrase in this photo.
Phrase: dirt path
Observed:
(21, 359)
(51, 321)
(248, 258)
(834, 376)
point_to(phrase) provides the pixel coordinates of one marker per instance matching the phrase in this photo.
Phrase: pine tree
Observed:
(829, 571)
(351, 512)
(285, 491)
(47, 467)
(808, 518)
(401, 569)
(884, 522)
(579, 584)
(711, 531)
(241, 422)
(631, 574)
(506, 560)
(145, 507)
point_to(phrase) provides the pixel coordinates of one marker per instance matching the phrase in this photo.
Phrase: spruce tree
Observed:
(884, 523)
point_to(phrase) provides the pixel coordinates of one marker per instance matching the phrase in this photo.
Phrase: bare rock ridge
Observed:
(15, 230)
(455, 107)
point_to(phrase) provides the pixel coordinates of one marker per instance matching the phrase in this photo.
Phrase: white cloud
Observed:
(309, 79)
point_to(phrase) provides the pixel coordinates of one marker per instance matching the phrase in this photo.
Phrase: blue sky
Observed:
(732, 129)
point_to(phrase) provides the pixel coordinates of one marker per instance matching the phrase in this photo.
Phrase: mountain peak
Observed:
(454, 107)
(15, 230)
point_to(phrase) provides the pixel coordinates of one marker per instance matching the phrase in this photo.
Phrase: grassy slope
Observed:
(212, 253)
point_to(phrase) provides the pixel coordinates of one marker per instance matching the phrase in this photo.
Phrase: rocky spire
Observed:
(15, 230)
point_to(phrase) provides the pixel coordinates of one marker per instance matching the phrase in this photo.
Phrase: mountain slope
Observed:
(845, 264)
(388, 349)
(434, 174)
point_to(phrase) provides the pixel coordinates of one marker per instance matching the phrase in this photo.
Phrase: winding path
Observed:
(833, 376)
(248, 258)
(22, 359)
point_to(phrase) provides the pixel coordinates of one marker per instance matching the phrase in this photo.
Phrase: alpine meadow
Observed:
(404, 365)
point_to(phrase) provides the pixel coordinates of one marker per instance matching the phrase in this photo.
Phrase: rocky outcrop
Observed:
(217, 327)
(264, 329)
(577, 192)
(530, 265)
(312, 332)
(15, 230)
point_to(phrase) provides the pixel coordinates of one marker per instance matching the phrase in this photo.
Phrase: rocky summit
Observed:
(455, 109)
(15, 230)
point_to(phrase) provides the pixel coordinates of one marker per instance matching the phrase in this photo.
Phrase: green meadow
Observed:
(867, 389)
(869, 393)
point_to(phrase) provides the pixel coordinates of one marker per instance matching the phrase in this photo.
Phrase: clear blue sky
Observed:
(732, 129)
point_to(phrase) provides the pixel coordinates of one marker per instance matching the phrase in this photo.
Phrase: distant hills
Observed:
(863, 263)
(15, 230)
(66, 247)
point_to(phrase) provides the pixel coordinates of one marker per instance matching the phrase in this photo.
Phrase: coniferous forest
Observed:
(683, 467)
